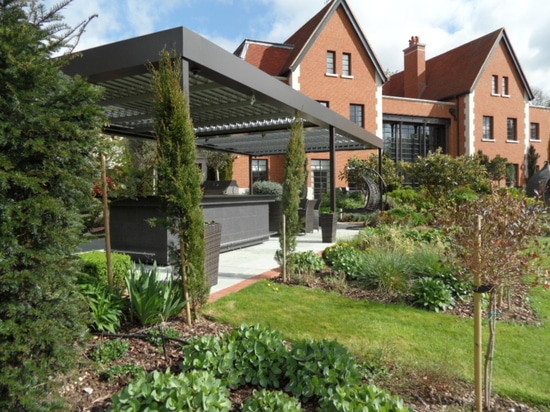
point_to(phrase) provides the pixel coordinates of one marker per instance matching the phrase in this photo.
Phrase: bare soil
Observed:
(90, 390)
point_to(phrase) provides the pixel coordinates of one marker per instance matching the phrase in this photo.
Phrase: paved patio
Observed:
(239, 268)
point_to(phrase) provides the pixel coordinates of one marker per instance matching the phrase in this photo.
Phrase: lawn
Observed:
(400, 335)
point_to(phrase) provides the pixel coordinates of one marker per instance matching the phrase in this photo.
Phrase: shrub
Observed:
(346, 259)
(426, 260)
(388, 271)
(307, 262)
(106, 304)
(459, 283)
(153, 300)
(157, 335)
(264, 187)
(110, 350)
(125, 369)
(271, 401)
(361, 398)
(432, 294)
(248, 355)
(314, 367)
(95, 265)
(197, 391)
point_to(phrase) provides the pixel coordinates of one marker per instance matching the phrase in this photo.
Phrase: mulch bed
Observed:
(89, 390)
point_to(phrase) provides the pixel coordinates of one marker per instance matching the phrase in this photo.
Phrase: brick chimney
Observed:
(415, 68)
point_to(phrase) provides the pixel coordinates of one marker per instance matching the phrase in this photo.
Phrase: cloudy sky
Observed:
(440, 24)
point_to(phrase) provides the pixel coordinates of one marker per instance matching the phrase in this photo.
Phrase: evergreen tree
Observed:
(179, 178)
(48, 128)
(294, 178)
(532, 160)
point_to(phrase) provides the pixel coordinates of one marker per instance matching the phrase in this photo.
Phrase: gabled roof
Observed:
(300, 42)
(267, 56)
(458, 71)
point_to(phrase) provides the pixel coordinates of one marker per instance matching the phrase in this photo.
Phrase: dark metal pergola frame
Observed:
(235, 107)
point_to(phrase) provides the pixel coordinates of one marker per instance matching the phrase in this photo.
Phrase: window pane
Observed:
(321, 177)
(495, 85)
(511, 126)
(356, 114)
(331, 64)
(535, 131)
(346, 64)
(505, 86)
(488, 127)
(259, 170)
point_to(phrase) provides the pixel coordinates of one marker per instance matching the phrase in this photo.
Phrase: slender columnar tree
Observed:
(180, 178)
(293, 184)
(49, 124)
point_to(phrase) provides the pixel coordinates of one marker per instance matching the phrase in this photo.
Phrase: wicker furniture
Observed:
(306, 214)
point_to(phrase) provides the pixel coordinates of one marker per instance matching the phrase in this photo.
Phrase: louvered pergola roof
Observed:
(235, 107)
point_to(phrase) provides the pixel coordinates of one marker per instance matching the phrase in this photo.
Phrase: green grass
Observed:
(411, 337)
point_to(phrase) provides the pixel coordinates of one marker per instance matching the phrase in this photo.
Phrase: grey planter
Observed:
(328, 223)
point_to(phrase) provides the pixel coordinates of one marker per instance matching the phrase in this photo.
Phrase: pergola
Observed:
(235, 107)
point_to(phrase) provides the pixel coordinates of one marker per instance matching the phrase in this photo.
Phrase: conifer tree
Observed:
(48, 129)
(293, 184)
(179, 183)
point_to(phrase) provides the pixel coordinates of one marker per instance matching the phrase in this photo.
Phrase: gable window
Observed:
(356, 114)
(323, 103)
(331, 62)
(346, 65)
(488, 128)
(535, 131)
(494, 85)
(259, 170)
(512, 127)
(505, 91)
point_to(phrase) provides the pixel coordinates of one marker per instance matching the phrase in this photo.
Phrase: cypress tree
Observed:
(293, 184)
(179, 183)
(48, 129)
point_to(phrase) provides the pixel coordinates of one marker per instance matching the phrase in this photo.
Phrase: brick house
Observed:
(471, 98)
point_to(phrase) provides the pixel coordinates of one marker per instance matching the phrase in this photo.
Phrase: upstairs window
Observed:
(323, 103)
(512, 127)
(346, 65)
(494, 85)
(535, 132)
(488, 128)
(331, 62)
(356, 114)
(505, 91)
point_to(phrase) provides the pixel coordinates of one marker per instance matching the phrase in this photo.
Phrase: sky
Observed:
(388, 25)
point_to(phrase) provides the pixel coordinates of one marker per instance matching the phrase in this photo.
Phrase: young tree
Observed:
(532, 160)
(49, 125)
(179, 183)
(294, 178)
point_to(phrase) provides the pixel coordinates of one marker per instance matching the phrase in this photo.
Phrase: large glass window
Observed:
(512, 127)
(488, 133)
(331, 62)
(406, 140)
(259, 170)
(321, 177)
(356, 114)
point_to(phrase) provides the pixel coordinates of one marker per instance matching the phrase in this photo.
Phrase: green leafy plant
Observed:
(95, 265)
(346, 259)
(248, 355)
(307, 262)
(361, 398)
(270, 401)
(432, 294)
(122, 370)
(157, 335)
(109, 350)
(152, 299)
(314, 367)
(197, 391)
(106, 304)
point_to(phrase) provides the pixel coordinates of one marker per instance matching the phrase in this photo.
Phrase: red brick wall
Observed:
(541, 115)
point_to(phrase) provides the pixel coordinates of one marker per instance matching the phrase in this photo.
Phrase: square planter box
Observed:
(132, 234)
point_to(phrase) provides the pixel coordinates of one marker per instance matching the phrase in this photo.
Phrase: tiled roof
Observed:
(452, 73)
(269, 57)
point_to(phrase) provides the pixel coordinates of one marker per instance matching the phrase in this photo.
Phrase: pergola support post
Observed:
(332, 162)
